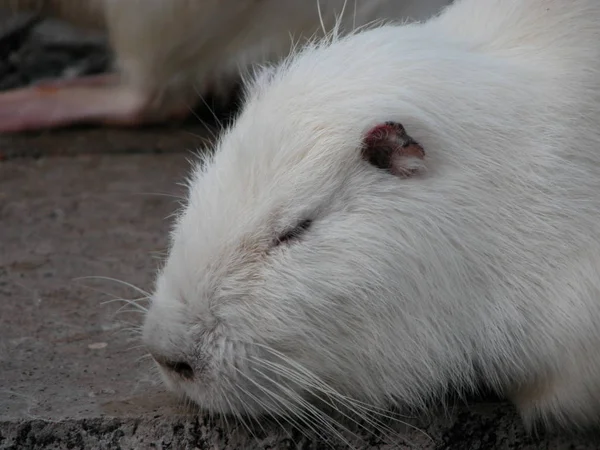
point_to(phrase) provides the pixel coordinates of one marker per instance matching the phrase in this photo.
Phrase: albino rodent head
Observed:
(279, 258)
(376, 226)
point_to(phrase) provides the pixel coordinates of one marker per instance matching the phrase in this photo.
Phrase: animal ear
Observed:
(387, 146)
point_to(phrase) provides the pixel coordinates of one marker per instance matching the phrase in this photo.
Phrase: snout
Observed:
(168, 345)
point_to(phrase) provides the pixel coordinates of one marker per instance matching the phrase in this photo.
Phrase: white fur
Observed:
(485, 268)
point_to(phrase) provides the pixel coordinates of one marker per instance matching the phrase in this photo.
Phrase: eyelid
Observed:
(295, 232)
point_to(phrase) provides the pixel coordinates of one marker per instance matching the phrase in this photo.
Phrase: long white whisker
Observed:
(284, 404)
(143, 357)
(245, 392)
(239, 417)
(115, 280)
(223, 415)
(319, 385)
(330, 393)
(135, 347)
(118, 299)
(318, 381)
(321, 18)
(127, 301)
(159, 194)
(316, 384)
(338, 22)
(214, 115)
(316, 414)
(135, 330)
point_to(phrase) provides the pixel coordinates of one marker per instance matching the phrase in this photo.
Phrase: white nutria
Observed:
(396, 213)
(169, 52)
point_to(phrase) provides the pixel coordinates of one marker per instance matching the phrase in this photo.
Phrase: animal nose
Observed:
(181, 368)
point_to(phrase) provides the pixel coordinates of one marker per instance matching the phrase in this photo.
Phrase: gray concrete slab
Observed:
(72, 374)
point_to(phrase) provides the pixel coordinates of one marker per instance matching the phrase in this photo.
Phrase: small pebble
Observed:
(97, 345)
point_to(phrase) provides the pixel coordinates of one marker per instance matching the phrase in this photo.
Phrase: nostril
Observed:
(180, 367)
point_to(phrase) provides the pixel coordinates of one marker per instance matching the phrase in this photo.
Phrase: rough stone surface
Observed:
(72, 374)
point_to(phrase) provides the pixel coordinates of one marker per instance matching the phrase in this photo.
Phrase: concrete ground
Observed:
(93, 203)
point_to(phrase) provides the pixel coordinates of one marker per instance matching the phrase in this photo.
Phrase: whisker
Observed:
(200, 137)
(246, 408)
(135, 347)
(115, 280)
(316, 416)
(223, 415)
(214, 115)
(316, 379)
(287, 417)
(330, 393)
(321, 21)
(286, 407)
(316, 413)
(239, 418)
(338, 21)
(320, 386)
(143, 357)
(133, 330)
(238, 414)
(114, 298)
(261, 404)
(132, 302)
(159, 194)
(213, 136)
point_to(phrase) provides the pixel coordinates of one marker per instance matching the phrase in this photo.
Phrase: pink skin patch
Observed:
(97, 99)
(387, 146)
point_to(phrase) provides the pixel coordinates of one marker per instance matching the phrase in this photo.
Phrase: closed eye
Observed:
(294, 233)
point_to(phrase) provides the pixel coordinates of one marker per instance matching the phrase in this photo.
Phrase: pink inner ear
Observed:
(388, 146)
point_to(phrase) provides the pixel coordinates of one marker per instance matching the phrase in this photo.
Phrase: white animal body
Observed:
(394, 213)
